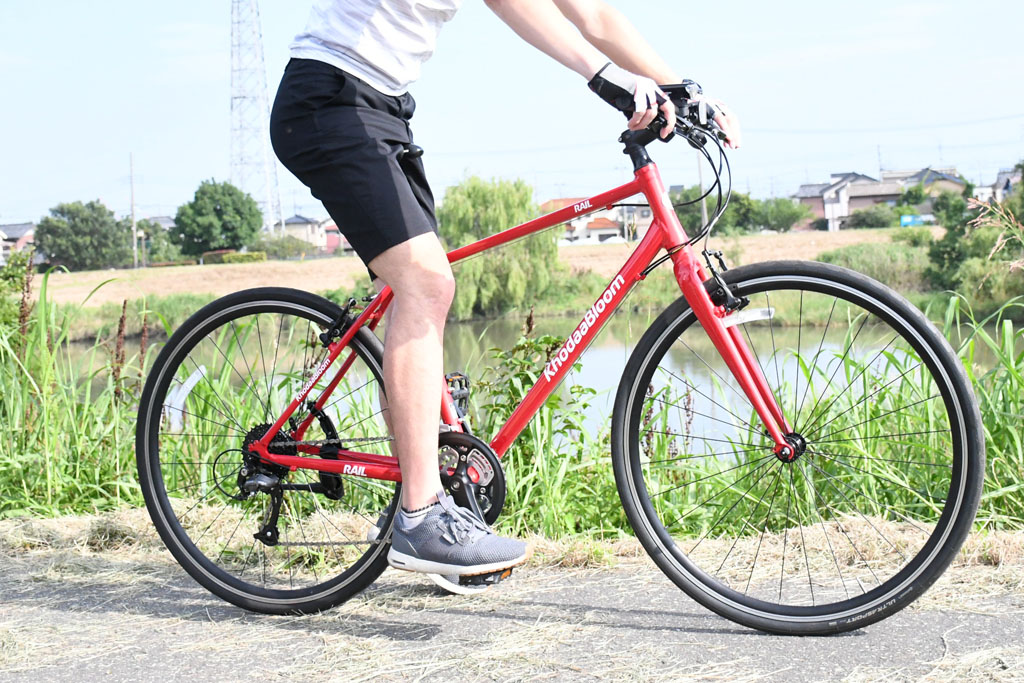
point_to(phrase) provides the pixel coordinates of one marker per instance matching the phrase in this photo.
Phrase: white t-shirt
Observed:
(383, 42)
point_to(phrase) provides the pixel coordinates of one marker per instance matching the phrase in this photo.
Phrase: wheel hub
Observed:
(795, 449)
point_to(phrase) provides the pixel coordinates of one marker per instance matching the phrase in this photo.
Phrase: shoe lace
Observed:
(463, 525)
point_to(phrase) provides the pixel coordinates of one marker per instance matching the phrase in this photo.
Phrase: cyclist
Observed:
(340, 123)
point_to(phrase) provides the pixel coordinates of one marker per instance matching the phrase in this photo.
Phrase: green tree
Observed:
(739, 217)
(512, 276)
(913, 195)
(12, 278)
(950, 210)
(948, 254)
(283, 247)
(84, 237)
(877, 216)
(158, 244)
(780, 214)
(220, 216)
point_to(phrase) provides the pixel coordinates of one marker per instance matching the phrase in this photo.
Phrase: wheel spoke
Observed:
(235, 379)
(870, 483)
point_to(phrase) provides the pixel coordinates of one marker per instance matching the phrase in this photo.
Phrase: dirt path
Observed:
(83, 605)
(331, 273)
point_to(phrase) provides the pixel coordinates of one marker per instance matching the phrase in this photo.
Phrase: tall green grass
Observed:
(69, 425)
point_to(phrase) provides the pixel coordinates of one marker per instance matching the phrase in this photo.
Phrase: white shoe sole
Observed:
(414, 564)
(445, 583)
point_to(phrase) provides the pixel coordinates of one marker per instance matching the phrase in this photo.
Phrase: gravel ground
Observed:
(114, 607)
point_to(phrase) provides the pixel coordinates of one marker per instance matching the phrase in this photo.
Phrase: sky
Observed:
(820, 87)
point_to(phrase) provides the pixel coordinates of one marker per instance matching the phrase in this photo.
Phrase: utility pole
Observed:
(253, 167)
(704, 200)
(135, 226)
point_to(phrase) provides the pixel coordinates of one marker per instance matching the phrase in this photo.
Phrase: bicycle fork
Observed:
(732, 347)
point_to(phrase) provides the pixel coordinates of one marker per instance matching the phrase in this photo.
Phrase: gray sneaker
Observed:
(449, 583)
(450, 540)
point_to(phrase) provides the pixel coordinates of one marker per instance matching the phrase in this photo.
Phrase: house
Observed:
(165, 222)
(1006, 183)
(848, 192)
(602, 229)
(306, 229)
(17, 236)
(831, 200)
(333, 239)
(636, 220)
(934, 180)
(591, 228)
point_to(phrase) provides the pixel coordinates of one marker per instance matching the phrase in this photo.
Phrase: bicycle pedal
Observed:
(486, 579)
(458, 385)
(748, 316)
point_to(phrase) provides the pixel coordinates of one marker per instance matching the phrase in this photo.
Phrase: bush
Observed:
(780, 214)
(820, 224)
(877, 216)
(248, 257)
(899, 266)
(212, 257)
(283, 247)
(12, 283)
(988, 285)
(914, 237)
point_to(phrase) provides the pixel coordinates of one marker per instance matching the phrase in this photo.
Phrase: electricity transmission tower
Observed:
(253, 168)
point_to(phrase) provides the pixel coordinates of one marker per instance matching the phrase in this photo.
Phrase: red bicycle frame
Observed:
(665, 233)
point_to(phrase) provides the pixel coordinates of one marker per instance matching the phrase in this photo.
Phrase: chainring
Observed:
(470, 467)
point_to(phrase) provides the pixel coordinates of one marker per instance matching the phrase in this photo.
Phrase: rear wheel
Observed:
(260, 536)
(889, 453)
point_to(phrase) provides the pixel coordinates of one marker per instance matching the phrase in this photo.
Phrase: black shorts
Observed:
(342, 139)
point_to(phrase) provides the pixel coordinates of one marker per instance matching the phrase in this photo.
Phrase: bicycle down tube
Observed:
(665, 233)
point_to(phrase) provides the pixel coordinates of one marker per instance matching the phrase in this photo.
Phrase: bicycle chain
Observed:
(333, 442)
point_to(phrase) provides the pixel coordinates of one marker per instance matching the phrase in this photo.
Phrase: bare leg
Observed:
(419, 275)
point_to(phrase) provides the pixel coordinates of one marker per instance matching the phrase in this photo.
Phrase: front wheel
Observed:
(888, 472)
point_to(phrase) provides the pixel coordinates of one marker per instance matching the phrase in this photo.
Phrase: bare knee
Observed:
(430, 293)
(419, 275)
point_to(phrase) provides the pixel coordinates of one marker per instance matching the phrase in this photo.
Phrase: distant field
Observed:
(333, 273)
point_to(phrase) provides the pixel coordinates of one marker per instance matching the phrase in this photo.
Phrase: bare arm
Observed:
(541, 24)
(609, 31)
(555, 31)
(581, 34)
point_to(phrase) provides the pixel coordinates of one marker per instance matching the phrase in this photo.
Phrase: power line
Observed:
(882, 129)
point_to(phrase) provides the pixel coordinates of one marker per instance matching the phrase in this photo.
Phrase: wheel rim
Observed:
(868, 504)
(233, 375)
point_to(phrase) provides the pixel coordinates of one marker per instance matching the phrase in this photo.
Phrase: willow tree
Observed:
(513, 276)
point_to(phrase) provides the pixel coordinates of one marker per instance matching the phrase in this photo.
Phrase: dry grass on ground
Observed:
(87, 588)
(343, 272)
(989, 564)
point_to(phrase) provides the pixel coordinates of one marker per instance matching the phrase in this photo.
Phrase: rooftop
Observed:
(875, 189)
(15, 231)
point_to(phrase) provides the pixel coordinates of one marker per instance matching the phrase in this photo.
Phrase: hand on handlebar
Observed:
(649, 100)
(638, 97)
(727, 121)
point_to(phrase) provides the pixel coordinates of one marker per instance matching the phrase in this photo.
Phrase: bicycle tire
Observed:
(843, 509)
(203, 397)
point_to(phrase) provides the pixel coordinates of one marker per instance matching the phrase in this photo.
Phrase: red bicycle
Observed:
(794, 444)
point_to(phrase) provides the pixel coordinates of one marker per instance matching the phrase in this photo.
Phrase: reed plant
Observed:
(69, 447)
(67, 443)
